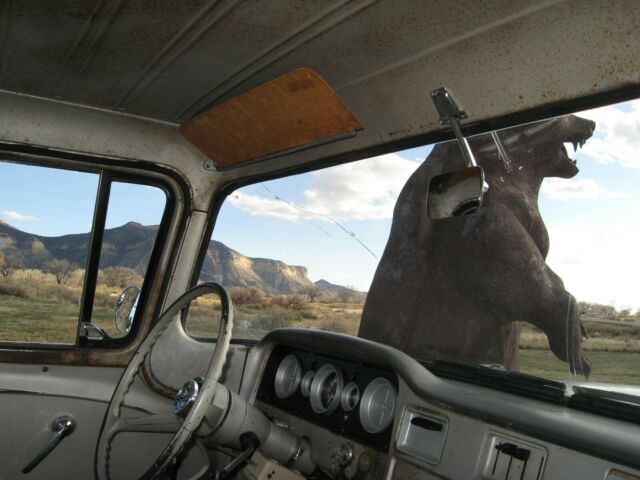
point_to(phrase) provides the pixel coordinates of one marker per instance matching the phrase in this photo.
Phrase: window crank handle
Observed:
(61, 427)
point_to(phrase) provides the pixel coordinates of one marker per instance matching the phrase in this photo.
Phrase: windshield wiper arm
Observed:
(501, 379)
(616, 405)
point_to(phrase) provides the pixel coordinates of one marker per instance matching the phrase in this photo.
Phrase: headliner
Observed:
(382, 57)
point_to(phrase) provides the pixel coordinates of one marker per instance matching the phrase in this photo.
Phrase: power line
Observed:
(307, 212)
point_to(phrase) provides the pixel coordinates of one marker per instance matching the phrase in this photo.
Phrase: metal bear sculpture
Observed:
(455, 289)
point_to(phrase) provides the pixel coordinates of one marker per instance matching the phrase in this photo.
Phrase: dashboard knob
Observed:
(344, 455)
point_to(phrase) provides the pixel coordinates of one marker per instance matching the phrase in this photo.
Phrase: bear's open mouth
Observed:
(577, 141)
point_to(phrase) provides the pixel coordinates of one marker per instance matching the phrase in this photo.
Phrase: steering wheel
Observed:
(113, 423)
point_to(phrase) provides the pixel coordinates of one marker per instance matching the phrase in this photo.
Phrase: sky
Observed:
(336, 221)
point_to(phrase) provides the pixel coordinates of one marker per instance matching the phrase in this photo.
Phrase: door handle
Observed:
(61, 427)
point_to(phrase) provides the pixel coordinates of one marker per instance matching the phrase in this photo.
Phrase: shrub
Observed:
(246, 296)
(13, 290)
(309, 315)
(287, 301)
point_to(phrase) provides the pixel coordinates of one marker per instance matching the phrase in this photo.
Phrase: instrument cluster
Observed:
(355, 399)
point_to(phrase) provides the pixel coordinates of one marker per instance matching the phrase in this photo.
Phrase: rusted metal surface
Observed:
(295, 109)
(500, 57)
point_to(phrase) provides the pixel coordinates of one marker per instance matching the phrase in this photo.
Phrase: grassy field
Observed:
(50, 314)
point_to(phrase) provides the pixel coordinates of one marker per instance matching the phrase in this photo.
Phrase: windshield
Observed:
(541, 279)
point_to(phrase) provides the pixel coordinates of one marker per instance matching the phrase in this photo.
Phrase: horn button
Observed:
(186, 397)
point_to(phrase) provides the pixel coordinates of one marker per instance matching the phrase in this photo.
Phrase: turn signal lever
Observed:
(250, 442)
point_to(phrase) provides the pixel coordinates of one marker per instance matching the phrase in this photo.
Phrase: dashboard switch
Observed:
(508, 458)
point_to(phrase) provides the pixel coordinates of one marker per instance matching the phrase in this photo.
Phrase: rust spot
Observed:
(298, 108)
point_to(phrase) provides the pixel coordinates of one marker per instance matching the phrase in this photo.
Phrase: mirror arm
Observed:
(451, 114)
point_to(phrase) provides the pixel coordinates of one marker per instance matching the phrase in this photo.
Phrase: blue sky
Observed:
(593, 219)
(53, 202)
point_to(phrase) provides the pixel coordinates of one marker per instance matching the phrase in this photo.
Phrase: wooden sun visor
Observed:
(299, 108)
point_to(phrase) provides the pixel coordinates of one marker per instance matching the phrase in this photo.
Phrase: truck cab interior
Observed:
(138, 126)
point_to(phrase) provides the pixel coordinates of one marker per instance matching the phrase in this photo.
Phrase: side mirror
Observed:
(125, 309)
(456, 193)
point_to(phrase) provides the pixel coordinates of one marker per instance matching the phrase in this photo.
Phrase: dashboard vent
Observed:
(509, 458)
(422, 435)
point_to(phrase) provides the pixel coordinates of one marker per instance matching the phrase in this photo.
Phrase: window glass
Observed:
(133, 220)
(541, 279)
(43, 251)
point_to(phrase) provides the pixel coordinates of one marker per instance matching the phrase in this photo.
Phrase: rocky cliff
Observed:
(130, 246)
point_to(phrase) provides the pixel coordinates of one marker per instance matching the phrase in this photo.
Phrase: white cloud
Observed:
(584, 189)
(595, 260)
(363, 190)
(616, 194)
(11, 215)
(617, 135)
(265, 207)
(566, 190)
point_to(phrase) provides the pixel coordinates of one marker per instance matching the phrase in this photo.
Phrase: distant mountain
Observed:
(338, 289)
(329, 287)
(130, 246)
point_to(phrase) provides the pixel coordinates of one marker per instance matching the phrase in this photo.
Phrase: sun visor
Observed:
(295, 111)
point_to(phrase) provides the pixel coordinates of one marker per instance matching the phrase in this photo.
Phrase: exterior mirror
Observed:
(455, 193)
(125, 309)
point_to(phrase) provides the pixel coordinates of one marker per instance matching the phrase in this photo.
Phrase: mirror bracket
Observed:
(451, 114)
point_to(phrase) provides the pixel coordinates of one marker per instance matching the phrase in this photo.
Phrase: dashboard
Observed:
(370, 411)
(355, 399)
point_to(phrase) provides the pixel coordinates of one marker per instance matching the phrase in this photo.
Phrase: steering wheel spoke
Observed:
(182, 427)
(162, 423)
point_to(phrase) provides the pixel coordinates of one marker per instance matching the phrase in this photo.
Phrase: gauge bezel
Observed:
(345, 398)
(315, 396)
(368, 397)
(283, 372)
(305, 385)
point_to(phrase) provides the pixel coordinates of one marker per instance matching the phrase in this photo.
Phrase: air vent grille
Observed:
(508, 458)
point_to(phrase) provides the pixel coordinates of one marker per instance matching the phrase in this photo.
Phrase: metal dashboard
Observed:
(440, 428)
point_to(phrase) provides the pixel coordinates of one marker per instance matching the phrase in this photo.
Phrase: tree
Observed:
(624, 313)
(61, 269)
(345, 294)
(9, 265)
(312, 292)
(120, 277)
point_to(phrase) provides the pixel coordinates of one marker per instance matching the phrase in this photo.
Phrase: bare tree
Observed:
(345, 294)
(120, 277)
(9, 265)
(61, 269)
(312, 292)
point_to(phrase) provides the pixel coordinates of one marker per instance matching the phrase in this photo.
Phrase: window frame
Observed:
(108, 173)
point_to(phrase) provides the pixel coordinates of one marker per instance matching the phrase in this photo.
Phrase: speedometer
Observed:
(377, 407)
(326, 389)
(287, 377)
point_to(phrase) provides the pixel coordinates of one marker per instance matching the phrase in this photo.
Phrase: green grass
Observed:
(607, 367)
(28, 320)
(49, 314)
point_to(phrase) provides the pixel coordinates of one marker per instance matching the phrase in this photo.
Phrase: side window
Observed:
(43, 251)
(49, 285)
(131, 228)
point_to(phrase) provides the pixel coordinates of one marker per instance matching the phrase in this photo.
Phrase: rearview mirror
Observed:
(455, 193)
(125, 309)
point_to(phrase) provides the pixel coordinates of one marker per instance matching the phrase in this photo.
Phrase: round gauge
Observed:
(305, 386)
(350, 396)
(377, 406)
(326, 388)
(287, 377)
